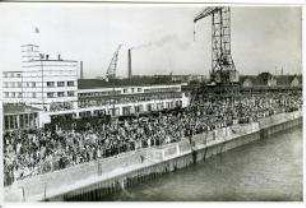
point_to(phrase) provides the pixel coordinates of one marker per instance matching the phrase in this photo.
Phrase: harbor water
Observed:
(270, 169)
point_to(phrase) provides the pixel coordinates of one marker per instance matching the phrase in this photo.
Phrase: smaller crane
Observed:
(112, 67)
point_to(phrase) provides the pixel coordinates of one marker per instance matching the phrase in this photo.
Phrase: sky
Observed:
(263, 38)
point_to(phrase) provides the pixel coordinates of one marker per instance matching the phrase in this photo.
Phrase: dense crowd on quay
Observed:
(68, 142)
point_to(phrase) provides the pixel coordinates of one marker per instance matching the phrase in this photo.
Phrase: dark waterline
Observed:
(270, 169)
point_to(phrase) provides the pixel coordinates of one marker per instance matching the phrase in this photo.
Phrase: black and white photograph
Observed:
(142, 102)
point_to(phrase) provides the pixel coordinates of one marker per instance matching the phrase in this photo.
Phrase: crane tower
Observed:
(223, 69)
(111, 70)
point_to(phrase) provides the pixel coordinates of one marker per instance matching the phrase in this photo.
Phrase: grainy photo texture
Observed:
(151, 102)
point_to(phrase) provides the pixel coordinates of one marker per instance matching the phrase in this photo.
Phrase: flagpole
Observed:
(42, 81)
(41, 56)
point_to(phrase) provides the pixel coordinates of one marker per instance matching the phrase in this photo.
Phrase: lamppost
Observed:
(113, 101)
(23, 193)
(45, 191)
(99, 168)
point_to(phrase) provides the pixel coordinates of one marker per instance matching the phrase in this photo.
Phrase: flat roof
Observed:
(99, 83)
(15, 109)
(29, 44)
(52, 60)
(12, 71)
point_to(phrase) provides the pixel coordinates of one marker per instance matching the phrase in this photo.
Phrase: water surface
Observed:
(269, 169)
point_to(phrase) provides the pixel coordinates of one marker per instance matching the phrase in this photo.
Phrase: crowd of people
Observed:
(68, 142)
(61, 106)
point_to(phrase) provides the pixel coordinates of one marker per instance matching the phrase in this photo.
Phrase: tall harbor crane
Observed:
(112, 67)
(223, 69)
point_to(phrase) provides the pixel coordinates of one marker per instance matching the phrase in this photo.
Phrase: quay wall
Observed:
(97, 179)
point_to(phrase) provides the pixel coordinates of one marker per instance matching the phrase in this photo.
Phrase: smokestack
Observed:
(129, 64)
(81, 70)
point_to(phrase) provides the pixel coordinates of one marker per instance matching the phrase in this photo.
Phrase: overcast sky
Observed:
(263, 38)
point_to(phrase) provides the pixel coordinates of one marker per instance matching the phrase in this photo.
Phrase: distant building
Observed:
(122, 100)
(247, 81)
(296, 81)
(272, 82)
(279, 81)
(188, 78)
(289, 80)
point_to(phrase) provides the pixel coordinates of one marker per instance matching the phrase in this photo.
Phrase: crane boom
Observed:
(206, 12)
(112, 67)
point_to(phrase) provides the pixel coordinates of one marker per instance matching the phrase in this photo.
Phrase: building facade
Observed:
(128, 100)
(20, 116)
(12, 91)
(44, 82)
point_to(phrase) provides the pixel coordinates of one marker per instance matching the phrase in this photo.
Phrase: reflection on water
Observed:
(268, 169)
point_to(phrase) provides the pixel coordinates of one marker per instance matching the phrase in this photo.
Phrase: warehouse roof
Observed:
(143, 81)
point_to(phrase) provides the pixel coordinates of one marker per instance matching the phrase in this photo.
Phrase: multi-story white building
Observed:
(44, 82)
(12, 86)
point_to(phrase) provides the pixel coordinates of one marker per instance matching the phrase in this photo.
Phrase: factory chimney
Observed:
(81, 70)
(129, 64)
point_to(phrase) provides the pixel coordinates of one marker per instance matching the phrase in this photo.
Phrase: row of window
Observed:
(34, 94)
(11, 74)
(33, 84)
(129, 110)
(97, 94)
(60, 94)
(38, 74)
(21, 121)
(111, 92)
(60, 84)
(13, 95)
(99, 101)
(126, 90)
(19, 84)
(155, 90)
(30, 84)
(133, 90)
(12, 84)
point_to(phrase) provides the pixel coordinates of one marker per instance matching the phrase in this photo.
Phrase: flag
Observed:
(36, 30)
